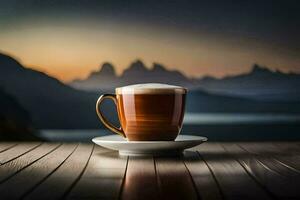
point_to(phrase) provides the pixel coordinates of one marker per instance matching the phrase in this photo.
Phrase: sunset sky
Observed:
(68, 39)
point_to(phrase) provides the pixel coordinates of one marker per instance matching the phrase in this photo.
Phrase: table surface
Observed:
(264, 170)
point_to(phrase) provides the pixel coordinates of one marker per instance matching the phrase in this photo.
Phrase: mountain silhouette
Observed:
(137, 72)
(15, 121)
(108, 70)
(135, 69)
(257, 69)
(51, 103)
(259, 83)
(104, 79)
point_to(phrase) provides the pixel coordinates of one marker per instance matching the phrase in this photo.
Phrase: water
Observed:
(72, 135)
(215, 126)
(239, 118)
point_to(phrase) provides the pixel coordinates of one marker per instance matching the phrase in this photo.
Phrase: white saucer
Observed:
(140, 148)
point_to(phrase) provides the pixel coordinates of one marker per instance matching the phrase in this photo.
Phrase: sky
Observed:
(70, 38)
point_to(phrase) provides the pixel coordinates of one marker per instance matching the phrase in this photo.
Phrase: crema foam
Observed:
(150, 88)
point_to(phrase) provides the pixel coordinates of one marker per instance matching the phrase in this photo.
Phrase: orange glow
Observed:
(69, 52)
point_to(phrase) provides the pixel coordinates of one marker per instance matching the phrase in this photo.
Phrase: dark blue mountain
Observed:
(260, 83)
(15, 121)
(102, 80)
(50, 103)
(54, 105)
(137, 72)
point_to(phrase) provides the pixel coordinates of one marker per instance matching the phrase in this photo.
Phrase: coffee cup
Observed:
(147, 112)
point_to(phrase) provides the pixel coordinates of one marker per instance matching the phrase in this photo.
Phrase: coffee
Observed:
(148, 111)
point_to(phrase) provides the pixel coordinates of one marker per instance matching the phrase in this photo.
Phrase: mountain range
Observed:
(15, 121)
(260, 83)
(50, 103)
(106, 79)
(43, 102)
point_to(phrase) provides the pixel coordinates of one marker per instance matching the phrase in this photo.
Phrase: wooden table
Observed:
(210, 171)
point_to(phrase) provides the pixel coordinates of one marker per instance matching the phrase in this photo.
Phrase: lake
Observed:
(215, 126)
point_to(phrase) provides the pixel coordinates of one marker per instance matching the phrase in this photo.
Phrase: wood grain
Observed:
(141, 181)
(234, 181)
(6, 145)
(277, 179)
(102, 178)
(206, 185)
(11, 168)
(292, 156)
(174, 179)
(32, 176)
(287, 154)
(249, 170)
(58, 183)
(16, 151)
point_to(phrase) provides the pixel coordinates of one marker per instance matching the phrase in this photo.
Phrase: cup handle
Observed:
(103, 119)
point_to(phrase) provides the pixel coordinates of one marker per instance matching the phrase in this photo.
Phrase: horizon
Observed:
(68, 41)
(149, 67)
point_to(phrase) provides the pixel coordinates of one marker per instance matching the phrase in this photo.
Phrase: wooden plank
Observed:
(268, 173)
(287, 154)
(140, 181)
(290, 154)
(103, 176)
(174, 179)
(58, 183)
(11, 168)
(270, 160)
(286, 148)
(206, 185)
(17, 151)
(33, 175)
(234, 181)
(6, 145)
